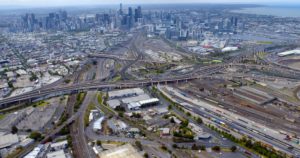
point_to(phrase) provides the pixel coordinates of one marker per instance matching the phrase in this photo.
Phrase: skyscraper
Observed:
(130, 18)
(138, 13)
(121, 9)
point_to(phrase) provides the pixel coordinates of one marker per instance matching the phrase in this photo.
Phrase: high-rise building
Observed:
(137, 13)
(130, 18)
(121, 9)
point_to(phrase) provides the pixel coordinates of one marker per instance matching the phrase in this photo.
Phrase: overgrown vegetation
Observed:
(79, 100)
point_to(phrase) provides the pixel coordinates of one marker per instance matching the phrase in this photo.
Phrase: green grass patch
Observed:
(2, 116)
(79, 100)
(264, 42)
(91, 106)
(216, 61)
(117, 78)
(118, 66)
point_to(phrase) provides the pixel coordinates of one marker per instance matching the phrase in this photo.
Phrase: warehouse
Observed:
(8, 140)
(56, 154)
(113, 103)
(149, 102)
(134, 106)
(143, 103)
(135, 98)
(124, 151)
(97, 124)
(125, 93)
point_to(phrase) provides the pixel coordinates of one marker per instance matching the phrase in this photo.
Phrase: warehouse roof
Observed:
(135, 98)
(148, 101)
(114, 103)
(8, 140)
(97, 124)
(133, 105)
(124, 151)
(56, 154)
(125, 92)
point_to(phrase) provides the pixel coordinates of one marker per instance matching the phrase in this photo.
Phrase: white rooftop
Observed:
(133, 105)
(124, 151)
(135, 98)
(290, 52)
(148, 101)
(58, 144)
(114, 103)
(97, 124)
(125, 92)
(56, 154)
(228, 49)
(8, 140)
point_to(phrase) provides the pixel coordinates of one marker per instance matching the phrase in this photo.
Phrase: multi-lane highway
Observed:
(94, 85)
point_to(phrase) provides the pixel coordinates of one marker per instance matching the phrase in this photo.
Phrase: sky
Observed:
(99, 2)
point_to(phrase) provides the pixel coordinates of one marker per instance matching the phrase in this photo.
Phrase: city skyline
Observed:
(43, 3)
(184, 79)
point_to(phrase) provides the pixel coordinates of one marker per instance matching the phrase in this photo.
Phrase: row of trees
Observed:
(253, 145)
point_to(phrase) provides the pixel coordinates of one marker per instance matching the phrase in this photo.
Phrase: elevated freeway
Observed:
(98, 85)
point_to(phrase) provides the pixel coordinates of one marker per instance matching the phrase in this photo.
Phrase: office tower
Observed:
(121, 9)
(138, 13)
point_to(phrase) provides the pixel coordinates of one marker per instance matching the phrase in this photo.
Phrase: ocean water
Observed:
(272, 10)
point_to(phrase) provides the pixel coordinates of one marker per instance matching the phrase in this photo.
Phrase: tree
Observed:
(98, 143)
(10, 84)
(185, 123)
(35, 135)
(189, 114)
(33, 77)
(121, 114)
(136, 115)
(146, 155)
(249, 144)
(139, 145)
(174, 146)
(233, 148)
(120, 108)
(67, 81)
(216, 148)
(172, 120)
(170, 107)
(95, 62)
(163, 147)
(199, 120)
(14, 130)
(202, 147)
(194, 147)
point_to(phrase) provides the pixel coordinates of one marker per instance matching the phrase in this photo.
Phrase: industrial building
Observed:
(97, 126)
(142, 104)
(56, 154)
(124, 151)
(35, 152)
(8, 140)
(113, 103)
(291, 52)
(125, 93)
(117, 125)
(59, 145)
(135, 98)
